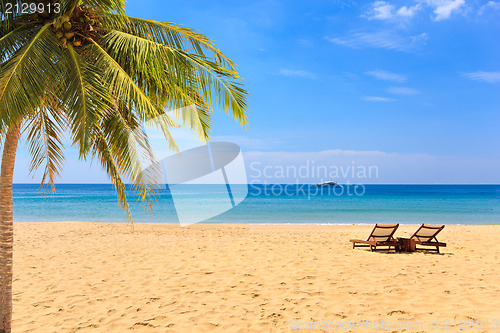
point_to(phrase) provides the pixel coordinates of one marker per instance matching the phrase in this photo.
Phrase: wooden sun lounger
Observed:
(426, 236)
(381, 235)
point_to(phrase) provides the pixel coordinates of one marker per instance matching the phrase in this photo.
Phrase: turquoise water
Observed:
(450, 204)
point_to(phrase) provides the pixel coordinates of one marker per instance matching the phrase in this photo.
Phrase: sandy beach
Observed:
(100, 277)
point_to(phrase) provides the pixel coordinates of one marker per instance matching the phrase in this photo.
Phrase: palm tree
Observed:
(83, 67)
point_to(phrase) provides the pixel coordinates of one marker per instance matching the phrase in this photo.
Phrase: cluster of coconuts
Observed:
(73, 29)
(65, 34)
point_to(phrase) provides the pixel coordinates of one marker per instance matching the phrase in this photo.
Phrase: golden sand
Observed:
(99, 277)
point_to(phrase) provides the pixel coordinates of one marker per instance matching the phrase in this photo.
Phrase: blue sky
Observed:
(410, 86)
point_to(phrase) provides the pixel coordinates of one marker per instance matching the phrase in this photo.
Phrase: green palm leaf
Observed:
(129, 143)
(120, 84)
(105, 7)
(25, 76)
(11, 41)
(86, 98)
(104, 154)
(191, 79)
(173, 83)
(45, 127)
(169, 34)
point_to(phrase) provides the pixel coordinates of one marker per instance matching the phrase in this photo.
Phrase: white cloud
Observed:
(378, 99)
(402, 91)
(297, 73)
(408, 11)
(490, 77)
(494, 5)
(382, 10)
(383, 39)
(444, 8)
(386, 75)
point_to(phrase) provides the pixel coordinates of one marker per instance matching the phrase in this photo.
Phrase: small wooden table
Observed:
(406, 244)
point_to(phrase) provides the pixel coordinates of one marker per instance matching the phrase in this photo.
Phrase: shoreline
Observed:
(262, 224)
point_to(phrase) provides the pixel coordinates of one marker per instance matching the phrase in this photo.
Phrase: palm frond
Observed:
(25, 76)
(196, 115)
(85, 96)
(213, 80)
(121, 85)
(144, 60)
(123, 149)
(7, 14)
(45, 127)
(219, 83)
(128, 141)
(165, 76)
(68, 6)
(108, 161)
(13, 40)
(186, 79)
(170, 34)
(105, 7)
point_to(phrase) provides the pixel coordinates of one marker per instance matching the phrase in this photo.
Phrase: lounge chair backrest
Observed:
(383, 232)
(427, 232)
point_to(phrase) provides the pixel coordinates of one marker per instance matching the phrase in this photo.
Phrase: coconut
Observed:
(64, 19)
(59, 34)
(81, 20)
(77, 43)
(67, 25)
(69, 34)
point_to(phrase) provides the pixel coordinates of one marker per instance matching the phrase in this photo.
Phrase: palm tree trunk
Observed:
(6, 227)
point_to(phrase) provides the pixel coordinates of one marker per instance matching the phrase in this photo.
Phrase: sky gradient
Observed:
(410, 86)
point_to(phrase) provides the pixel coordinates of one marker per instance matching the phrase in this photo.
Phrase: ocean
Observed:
(272, 204)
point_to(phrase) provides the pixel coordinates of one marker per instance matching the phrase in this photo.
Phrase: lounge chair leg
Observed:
(371, 248)
(437, 249)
